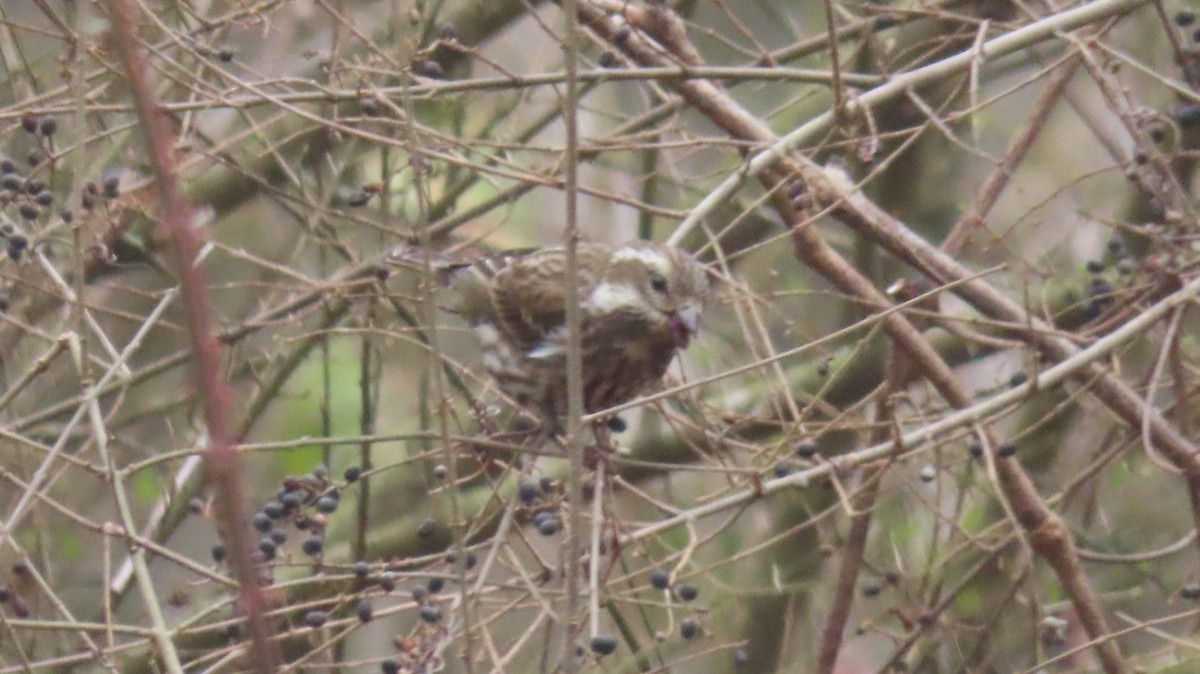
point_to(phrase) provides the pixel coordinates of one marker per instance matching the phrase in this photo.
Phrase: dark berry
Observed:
(29, 123)
(358, 199)
(370, 107)
(1006, 449)
(1099, 288)
(18, 242)
(87, 201)
(273, 509)
(313, 545)
(427, 528)
(225, 54)
(267, 546)
(1185, 18)
(603, 644)
(686, 591)
(1095, 266)
(548, 526)
(527, 492)
(419, 593)
(1191, 591)
(608, 60)
(617, 424)
(34, 157)
(689, 628)
(807, 449)
(112, 186)
(320, 471)
(48, 125)
(871, 590)
(19, 608)
(44, 199)
(352, 473)
(361, 568)
(279, 536)
(315, 618)
(660, 579)
(546, 483)
(428, 68)
(262, 522)
(389, 667)
(29, 211)
(387, 582)
(10, 181)
(448, 31)
(7, 166)
(5, 594)
(1017, 379)
(290, 501)
(430, 613)
(622, 35)
(218, 553)
(435, 585)
(327, 504)
(782, 469)
(975, 450)
(366, 612)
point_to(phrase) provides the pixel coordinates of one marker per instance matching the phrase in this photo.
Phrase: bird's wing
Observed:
(528, 291)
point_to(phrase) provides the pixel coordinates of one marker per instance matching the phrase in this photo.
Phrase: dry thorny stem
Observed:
(957, 254)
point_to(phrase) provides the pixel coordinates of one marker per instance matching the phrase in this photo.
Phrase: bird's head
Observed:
(663, 283)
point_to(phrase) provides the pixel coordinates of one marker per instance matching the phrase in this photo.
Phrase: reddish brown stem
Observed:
(993, 186)
(222, 465)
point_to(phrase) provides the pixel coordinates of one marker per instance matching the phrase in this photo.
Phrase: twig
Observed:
(575, 427)
(222, 464)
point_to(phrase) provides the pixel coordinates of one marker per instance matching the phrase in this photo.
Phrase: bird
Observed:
(639, 302)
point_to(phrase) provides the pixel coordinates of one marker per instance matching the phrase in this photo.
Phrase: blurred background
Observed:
(395, 524)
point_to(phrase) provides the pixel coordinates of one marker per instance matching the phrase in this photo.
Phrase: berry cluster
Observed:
(29, 196)
(543, 500)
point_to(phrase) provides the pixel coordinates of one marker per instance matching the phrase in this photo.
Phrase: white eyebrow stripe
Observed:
(651, 258)
(610, 296)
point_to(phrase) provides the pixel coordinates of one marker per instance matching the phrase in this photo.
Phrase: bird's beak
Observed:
(685, 322)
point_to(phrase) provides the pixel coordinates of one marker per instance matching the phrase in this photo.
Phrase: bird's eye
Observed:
(659, 284)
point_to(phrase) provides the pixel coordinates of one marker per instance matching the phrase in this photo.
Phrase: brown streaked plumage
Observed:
(640, 302)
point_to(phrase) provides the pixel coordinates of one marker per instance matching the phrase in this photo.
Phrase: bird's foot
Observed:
(604, 447)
